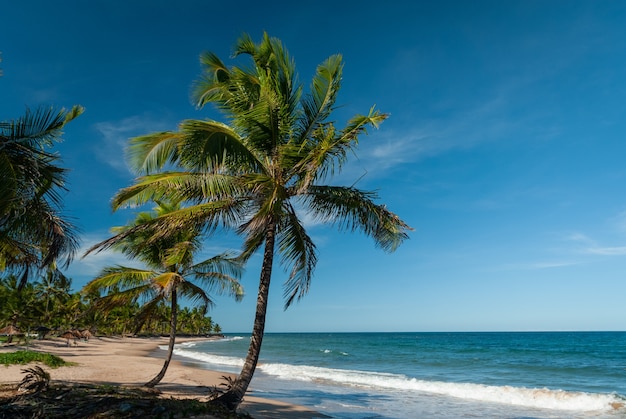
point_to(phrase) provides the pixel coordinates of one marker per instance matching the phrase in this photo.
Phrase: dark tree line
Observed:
(50, 303)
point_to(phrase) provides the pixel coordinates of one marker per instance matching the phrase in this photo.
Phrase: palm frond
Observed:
(9, 184)
(39, 128)
(318, 106)
(254, 238)
(210, 87)
(205, 217)
(209, 145)
(352, 209)
(122, 293)
(180, 254)
(226, 263)
(30, 198)
(358, 125)
(119, 277)
(329, 152)
(149, 153)
(220, 274)
(37, 234)
(73, 113)
(176, 187)
(62, 239)
(195, 294)
(221, 284)
(147, 311)
(298, 250)
(165, 282)
(246, 45)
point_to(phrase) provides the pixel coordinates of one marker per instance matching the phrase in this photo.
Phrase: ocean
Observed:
(433, 375)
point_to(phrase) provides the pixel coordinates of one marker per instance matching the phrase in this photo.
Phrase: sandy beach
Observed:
(132, 362)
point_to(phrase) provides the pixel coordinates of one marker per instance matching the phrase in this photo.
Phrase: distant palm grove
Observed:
(36, 242)
(259, 174)
(49, 303)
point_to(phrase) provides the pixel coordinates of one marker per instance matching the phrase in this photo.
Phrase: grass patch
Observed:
(26, 357)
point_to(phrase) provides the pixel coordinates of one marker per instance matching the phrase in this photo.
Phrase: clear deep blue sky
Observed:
(505, 148)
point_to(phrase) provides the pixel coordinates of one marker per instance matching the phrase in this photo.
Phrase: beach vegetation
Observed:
(19, 305)
(48, 307)
(262, 172)
(169, 271)
(24, 357)
(53, 289)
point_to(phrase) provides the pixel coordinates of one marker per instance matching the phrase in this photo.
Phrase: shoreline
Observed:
(132, 361)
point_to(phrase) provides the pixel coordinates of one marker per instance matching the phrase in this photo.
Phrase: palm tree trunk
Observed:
(170, 349)
(234, 396)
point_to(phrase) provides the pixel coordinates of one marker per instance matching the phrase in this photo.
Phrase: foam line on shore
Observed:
(519, 396)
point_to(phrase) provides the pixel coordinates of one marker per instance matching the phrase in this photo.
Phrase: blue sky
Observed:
(504, 150)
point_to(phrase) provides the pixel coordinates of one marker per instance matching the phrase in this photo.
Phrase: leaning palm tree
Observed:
(32, 232)
(262, 171)
(168, 275)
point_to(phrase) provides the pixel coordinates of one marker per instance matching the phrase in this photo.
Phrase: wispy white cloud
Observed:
(308, 220)
(607, 251)
(425, 138)
(89, 266)
(392, 150)
(580, 249)
(115, 135)
(578, 237)
(43, 96)
(552, 264)
(539, 265)
(461, 121)
(619, 221)
(589, 246)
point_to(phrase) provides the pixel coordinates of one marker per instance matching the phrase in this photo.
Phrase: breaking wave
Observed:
(519, 396)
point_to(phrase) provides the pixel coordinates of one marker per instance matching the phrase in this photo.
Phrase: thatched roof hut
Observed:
(10, 330)
(86, 334)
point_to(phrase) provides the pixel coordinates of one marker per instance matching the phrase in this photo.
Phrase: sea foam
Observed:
(209, 358)
(518, 396)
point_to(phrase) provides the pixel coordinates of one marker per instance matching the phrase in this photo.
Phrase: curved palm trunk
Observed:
(234, 396)
(170, 349)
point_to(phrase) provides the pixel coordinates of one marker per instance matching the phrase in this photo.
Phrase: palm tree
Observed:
(20, 307)
(54, 290)
(262, 171)
(74, 311)
(32, 232)
(169, 271)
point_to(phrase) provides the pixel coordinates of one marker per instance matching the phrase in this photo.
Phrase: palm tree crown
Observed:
(167, 276)
(32, 232)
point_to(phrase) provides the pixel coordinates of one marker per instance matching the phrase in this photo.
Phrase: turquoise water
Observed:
(435, 375)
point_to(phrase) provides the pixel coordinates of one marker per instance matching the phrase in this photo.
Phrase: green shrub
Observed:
(25, 357)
